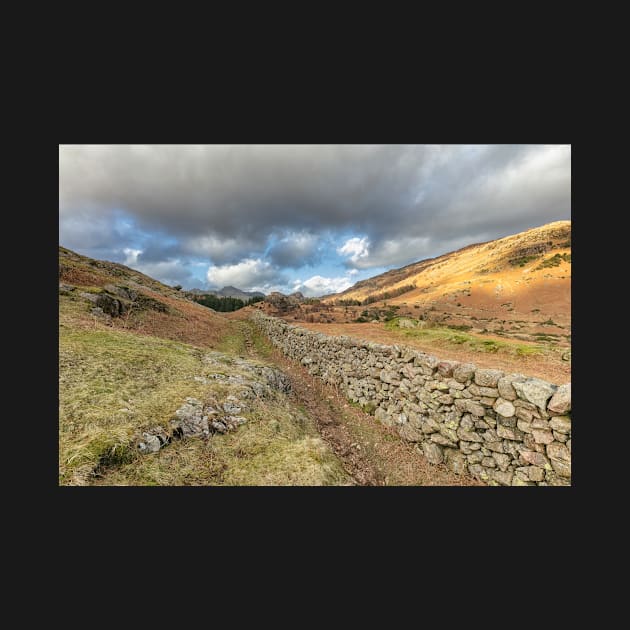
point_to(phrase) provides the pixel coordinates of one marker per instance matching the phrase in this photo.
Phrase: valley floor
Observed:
(371, 453)
(115, 382)
(135, 355)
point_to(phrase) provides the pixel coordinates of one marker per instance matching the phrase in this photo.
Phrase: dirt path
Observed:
(372, 454)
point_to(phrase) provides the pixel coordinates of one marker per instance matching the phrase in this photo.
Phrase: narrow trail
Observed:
(372, 454)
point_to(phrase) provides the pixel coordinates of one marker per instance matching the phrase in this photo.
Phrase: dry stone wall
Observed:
(504, 429)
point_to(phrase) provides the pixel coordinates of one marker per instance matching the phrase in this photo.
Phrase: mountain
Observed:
(501, 304)
(526, 272)
(229, 292)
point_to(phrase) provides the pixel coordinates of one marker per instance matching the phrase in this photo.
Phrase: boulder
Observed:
(463, 372)
(468, 436)
(509, 433)
(502, 477)
(110, 305)
(517, 481)
(190, 419)
(384, 417)
(560, 402)
(502, 460)
(433, 452)
(487, 378)
(535, 474)
(560, 457)
(445, 368)
(92, 297)
(219, 426)
(558, 451)
(536, 459)
(535, 390)
(98, 312)
(542, 436)
(232, 405)
(466, 405)
(562, 424)
(456, 461)
(489, 392)
(504, 408)
(440, 439)
(121, 291)
(504, 385)
(479, 472)
(410, 433)
(151, 444)
(232, 422)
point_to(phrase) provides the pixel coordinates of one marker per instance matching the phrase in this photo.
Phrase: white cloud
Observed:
(353, 272)
(131, 256)
(249, 274)
(355, 248)
(319, 285)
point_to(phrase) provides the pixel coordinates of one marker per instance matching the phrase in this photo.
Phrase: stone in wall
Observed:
(504, 429)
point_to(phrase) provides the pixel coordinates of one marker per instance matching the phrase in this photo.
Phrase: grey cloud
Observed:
(169, 272)
(155, 252)
(237, 196)
(295, 249)
(223, 249)
(91, 233)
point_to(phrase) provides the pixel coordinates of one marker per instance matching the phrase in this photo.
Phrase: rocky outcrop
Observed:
(504, 429)
(284, 303)
(115, 300)
(201, 419)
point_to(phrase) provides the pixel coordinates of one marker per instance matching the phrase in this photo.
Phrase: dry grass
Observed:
(372, 453)
(447, 337)
(186, 321)
(511, 356)
(442, 274)
(375, 454)
(83, 277)
(114, 383)
(121, 376)
(279, 446)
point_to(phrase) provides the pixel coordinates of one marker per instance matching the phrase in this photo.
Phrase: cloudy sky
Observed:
(313, 218)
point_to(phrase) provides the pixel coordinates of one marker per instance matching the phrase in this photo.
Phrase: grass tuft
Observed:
(445, 336)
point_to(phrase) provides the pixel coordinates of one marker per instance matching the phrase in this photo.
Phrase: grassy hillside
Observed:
(123, 374)
(506, 302)
(521, 257)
